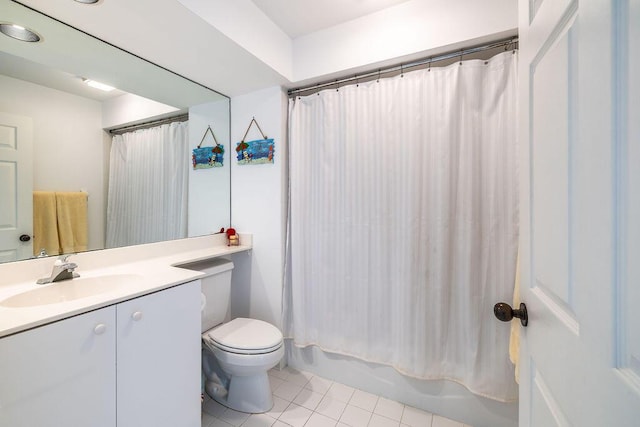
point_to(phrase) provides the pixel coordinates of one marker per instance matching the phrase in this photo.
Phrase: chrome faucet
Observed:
(62, 270)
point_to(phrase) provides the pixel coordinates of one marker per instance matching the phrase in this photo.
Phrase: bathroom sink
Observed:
(70, 290)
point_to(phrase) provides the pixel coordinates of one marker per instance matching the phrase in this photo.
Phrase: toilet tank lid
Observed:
(209, 266)
(246, 334)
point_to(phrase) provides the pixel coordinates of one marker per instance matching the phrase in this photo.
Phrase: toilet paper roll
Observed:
(203, 302)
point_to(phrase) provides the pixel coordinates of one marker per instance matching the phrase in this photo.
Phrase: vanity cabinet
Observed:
(136, 363)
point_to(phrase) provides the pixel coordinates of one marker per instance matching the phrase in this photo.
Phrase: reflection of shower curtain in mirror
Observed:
(148, 185)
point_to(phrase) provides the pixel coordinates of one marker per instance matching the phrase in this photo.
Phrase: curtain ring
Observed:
(378, 81)
(429, 70)
(461, 53)
(401, 70)
(357, 83)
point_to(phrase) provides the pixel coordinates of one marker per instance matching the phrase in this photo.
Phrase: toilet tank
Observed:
(216, 288)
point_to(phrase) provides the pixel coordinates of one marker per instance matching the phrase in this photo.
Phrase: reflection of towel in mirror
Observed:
(71, 208)
(45, 225)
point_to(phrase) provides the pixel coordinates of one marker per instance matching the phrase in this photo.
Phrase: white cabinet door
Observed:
(580, 212)
(158, 354)
(61, 374)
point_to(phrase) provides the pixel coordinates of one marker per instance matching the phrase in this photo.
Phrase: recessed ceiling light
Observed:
(18, 32)
(87, 1)
(98, 85)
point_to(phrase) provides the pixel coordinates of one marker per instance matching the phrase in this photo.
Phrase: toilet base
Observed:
(250, 394)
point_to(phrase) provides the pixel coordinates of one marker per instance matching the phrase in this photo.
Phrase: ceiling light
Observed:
(98, 85)
(87, 1)
(18, 32)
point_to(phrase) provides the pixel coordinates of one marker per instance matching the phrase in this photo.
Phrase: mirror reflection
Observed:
(82, 168)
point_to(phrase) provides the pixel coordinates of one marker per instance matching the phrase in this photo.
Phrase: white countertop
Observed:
(153, 273)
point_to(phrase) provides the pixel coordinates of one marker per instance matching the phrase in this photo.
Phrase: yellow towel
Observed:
(514, 339)
(45, 226)
(73, 232)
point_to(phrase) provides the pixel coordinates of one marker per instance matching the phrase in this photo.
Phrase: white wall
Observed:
(209, 189)
(258, 205)
(244, 23)
(68, 144)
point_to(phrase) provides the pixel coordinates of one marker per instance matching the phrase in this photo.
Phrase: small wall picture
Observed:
(257, 152)
(208, 157)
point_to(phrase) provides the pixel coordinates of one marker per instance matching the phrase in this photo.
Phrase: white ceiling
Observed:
(299, 17)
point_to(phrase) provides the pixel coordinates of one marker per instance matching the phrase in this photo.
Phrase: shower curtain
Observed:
(403, 222)
(148, 185)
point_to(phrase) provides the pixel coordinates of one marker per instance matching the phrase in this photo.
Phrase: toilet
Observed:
(236, 354)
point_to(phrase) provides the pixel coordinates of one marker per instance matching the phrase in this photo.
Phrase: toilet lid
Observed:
(246, 336)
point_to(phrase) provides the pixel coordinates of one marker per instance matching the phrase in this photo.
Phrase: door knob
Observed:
(137, 316)
(504, 312)
(100, 329)
(25, 238)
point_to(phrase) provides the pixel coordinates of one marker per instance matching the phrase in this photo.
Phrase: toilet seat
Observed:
(245, 336)
(244, 351)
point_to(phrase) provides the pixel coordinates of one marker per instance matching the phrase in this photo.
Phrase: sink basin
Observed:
(70, 290)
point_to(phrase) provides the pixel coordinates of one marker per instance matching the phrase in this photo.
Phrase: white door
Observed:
(61, 374)
(16, 187)
(158, 371)
(580, 212)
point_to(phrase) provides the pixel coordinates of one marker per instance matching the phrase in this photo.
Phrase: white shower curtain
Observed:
(404, 222)
(148, 185)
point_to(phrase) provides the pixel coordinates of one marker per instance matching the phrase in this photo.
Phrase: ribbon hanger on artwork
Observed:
(209, 130)
(251, 123)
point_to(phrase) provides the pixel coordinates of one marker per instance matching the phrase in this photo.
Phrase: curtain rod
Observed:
(508, 42)
(150, 124)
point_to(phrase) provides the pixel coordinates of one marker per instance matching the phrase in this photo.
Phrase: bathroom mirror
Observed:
(42, 87)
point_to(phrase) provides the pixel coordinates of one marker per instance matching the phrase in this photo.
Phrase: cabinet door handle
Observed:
(136, 315)
(100, 329)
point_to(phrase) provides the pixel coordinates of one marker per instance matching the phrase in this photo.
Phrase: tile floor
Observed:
(303, 399)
